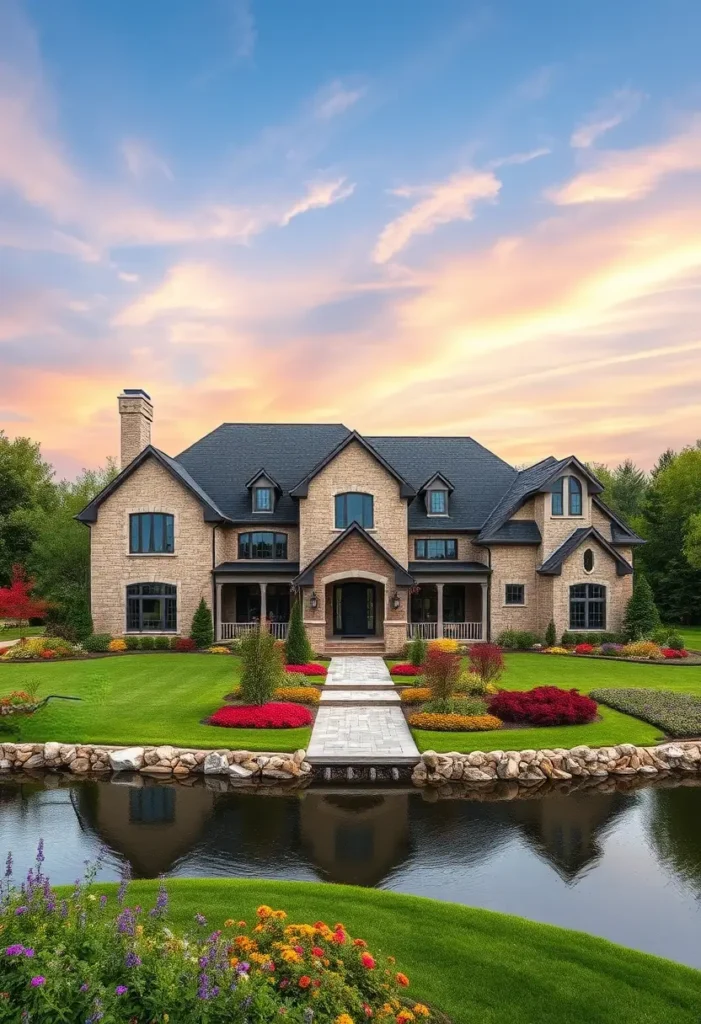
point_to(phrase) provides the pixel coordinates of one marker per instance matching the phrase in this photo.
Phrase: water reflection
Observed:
(605, 861)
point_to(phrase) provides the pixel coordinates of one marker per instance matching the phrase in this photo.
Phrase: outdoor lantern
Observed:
(396, 600)
(313, 600)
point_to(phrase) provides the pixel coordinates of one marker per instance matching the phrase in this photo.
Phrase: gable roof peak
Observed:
(301, 490)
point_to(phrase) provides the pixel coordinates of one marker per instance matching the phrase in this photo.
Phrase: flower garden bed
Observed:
(273, 715)
(677, 714)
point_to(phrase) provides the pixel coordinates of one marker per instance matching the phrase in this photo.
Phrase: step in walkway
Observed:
(360, 719)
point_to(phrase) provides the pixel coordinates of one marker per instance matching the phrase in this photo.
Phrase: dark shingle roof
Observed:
(446, 567)
(621, 533)
(223, 461)
(552, 566)
(527, 482)
(479, 477)
(515, 531)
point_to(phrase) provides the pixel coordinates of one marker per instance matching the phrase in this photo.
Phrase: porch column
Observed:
(439, 613)
(484, 611)
(263, 600)
(217, 632)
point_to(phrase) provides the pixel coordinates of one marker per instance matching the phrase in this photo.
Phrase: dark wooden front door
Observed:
(354, 609)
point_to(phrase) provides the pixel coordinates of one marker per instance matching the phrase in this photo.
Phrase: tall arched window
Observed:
(575, 492)
(152, 607)
(556, 501)
(587, 606)
(354, 507)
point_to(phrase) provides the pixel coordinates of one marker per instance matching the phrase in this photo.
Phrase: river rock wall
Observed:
(531, 767)
(163, 760)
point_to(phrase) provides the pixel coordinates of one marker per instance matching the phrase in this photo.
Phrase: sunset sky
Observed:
(410, 217)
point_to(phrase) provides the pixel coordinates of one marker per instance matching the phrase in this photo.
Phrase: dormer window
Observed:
(437, 502)
(263, 499)
(436, 494)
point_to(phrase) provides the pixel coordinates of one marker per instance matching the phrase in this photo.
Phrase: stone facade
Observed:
(513, 563)
(227, 540)
(468, 551)
(135, 417)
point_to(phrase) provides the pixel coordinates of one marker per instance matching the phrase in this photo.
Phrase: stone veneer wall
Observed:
(354, 469)
(150, 488)
(533, 767)
(467, 550)
(618, 588)
(514, 563)
(227, 541)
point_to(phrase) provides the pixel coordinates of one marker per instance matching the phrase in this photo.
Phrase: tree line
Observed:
(38, 531)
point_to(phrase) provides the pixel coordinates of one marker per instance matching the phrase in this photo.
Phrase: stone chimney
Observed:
(135, 414)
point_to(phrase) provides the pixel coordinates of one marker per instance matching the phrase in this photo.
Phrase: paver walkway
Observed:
(360, 718)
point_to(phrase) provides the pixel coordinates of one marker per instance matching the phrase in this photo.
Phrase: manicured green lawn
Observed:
(524, 671)
(15, 632)
(691, 636)
(140, 698)
(475, 965)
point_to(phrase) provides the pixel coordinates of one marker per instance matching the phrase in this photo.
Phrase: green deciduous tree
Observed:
(25, 490)
(625, 488)
(202, 630)
(262, 667)
(298, 650)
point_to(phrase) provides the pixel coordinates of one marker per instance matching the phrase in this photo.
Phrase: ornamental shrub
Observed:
(544, 705)
(202, 630)
(88, 957)
(97, 643)
(642, 618)
(550, 635)
(441, 672)
(584, 649)
(671, 653)
(273, 715)
(298, 650)
(404, 669)
(642, 649)
(298, 694)
(517, 639)
(132, 642)
(417, 651)
(611, 650)
(117, 645)
(161, 643)
(185, 645)
(454, 723)
(665, 636)
(415, 695)
(147, 643)
(596, 637)
(262, 667)
(444, 644)
(486, 663)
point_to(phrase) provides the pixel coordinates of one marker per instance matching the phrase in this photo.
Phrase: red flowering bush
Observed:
(584, 649)
(545, 705)
(486, 662)
(442, 672)
(274, 715)
(670, 653)
(47, 653)
(309, 669)
(405, 669)
(184, 644)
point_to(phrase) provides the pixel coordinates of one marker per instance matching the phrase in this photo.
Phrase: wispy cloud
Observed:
(243, 28)
(319, 194)
(609, 114)
(440, 203)
(141, 160)
(633, 173)
(519, 158)
(335, 98)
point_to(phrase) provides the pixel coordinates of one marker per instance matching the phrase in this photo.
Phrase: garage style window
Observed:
(151, 533)
(263, 545)
(514, 593)
(588, 606)
(443, 548)
(152, 607)
(354, 507)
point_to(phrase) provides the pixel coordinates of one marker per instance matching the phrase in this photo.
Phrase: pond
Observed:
(625, 864)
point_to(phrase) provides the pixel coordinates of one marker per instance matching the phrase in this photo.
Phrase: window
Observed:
(263, 545)
(575, 492)
(436, 548)
(262, 499)
(354, 507)
(587, 606)
(514, 593)
(151, 805)
(437, 503)
(556, 502)
(151, 607)
(588, 560)
(151, 533)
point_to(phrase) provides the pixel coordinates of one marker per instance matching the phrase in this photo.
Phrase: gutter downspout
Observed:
(489, 596)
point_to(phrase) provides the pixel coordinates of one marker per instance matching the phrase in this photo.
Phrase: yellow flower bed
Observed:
(219, 650)
(298, 694)
(117, 645)
(455, 723)
(444, 644)
(415, 695)
(556, 650)
(642, 649)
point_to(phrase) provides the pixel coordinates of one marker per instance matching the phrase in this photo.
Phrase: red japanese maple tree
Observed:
(16, 601)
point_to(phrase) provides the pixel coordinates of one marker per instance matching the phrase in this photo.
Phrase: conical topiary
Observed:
(642, 618)
(262, 667)
(550, 635)
(202, 631)
(298, 650)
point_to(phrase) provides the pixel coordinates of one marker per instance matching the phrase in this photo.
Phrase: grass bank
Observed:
(475, 965)
(15, 632)
(140, 699)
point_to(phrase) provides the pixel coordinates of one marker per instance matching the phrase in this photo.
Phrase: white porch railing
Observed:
(234, 630)
(450, 630)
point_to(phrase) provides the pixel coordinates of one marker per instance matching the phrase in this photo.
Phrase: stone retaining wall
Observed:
(164, 760)
(531, 767)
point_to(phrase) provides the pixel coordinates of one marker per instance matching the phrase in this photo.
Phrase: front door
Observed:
(354, 609)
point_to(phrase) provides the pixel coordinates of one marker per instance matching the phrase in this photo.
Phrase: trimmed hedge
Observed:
(518, 639)
(678, 714)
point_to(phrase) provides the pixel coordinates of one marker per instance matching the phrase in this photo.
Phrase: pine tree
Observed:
(262, 667)
(417, 651)
(550, 635)
(642, 618)
(298, 650)
(202, 631)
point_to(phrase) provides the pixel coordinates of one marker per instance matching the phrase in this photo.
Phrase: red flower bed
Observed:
(47, 653)
(405, 669)
(264, 716)
(545, 705)
(668, 652)
(310, 669)
(584, 648)
(184, 643)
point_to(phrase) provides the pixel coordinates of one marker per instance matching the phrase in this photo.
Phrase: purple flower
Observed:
(201, 919)
(84, 987)
(126, 876)
(132, 960)
(29, 952)
(37, 981)
(21, 910)
(203, 990)
(103, 901)
(40, 852)
(125, 922)
(161, 902)
(243, 968)
(64, 908)
(121, 990)
(15, 950)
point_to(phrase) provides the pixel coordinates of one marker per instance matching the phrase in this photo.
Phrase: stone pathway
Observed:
(360, 718)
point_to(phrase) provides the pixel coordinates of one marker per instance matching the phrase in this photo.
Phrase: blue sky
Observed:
(409, 217)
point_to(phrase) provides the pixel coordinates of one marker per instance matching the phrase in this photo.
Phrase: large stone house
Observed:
(383, 538)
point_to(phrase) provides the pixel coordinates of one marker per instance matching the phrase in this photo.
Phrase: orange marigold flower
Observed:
(343, 1018)
(319, 925)
(402, 980)
(305, 981)
(359, 942)
(242, 924)
(229, 923)
(367, 961)
(264, 911)
(234, 960)
(404, 1017)
(279, 914)
(423, 1011)
(258, 928)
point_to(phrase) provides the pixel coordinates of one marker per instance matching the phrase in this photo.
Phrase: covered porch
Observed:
(456, 610)
(244, 600)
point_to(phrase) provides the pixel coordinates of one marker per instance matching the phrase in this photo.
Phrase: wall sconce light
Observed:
(313, 600)
(396, 600)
